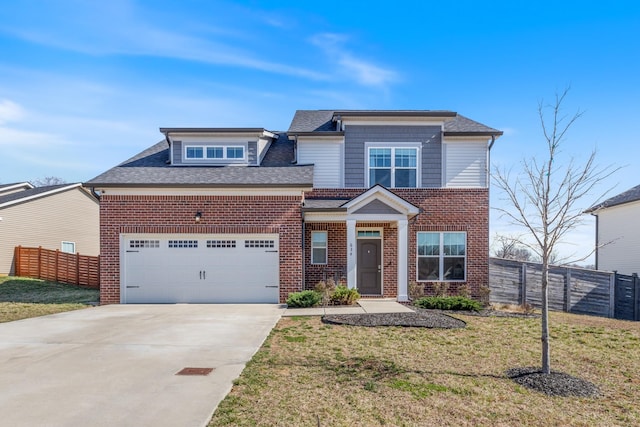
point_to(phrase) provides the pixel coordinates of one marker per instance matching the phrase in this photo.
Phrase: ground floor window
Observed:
(319, 247)
(442, 256)
(68, 247)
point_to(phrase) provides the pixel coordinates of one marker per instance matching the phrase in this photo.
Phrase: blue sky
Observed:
(85, 85)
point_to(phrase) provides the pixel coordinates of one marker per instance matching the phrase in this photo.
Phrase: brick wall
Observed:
(443, 209)
(220, 214)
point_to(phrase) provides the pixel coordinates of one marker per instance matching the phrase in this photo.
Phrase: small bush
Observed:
(344, 296)
(440, 289)
(464, 291)
(416, 290)
(325, 289)
(448, 303)
(303, 299)
(485, 294)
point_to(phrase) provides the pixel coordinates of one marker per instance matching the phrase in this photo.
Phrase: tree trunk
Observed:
(546, 366)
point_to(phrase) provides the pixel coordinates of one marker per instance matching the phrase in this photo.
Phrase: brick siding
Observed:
(220, 214)
(442, 209)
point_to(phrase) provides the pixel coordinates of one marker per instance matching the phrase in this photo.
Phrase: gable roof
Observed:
(35, 193)
(322, 121)
(15, 186)
(631, 195)
(151, 167)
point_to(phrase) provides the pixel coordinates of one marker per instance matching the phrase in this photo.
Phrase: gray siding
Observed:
(355, 137)
(252, 152)
(177, 152)
(376, 207)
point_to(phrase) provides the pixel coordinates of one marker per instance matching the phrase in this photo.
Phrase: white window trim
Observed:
(68, 243)
(441, 257)
(394, 146)
(325, 247)
(224, 157)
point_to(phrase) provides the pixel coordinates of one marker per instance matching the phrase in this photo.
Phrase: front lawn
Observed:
(309, 374)
(21, 298)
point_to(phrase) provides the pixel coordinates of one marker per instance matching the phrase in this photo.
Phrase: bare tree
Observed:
(510, 247)
(47, 180)
(544, 197)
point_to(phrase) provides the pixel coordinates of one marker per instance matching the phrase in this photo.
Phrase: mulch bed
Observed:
(422, 319)
(553, 384)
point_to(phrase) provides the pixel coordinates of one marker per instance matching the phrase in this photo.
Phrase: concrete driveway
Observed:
(116, 365)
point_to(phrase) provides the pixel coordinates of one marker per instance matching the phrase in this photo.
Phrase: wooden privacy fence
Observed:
(47, 264)
(574, 290)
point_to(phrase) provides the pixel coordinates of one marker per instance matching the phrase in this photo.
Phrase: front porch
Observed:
(361, 242)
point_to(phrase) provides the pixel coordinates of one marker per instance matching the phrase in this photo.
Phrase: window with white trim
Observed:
(442, 256)
(394, 167)
(318, 247)
(214, 152)
(68, 247)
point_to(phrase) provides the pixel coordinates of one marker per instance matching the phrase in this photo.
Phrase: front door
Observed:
(370, 266)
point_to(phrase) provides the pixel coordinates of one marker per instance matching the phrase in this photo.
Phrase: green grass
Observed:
(21, 298)
(357, 376)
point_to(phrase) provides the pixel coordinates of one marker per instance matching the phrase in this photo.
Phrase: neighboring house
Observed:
(618, 232)
(375, 199)
(64, 217)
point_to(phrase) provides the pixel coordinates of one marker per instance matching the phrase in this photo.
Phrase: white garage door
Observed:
(227, 268)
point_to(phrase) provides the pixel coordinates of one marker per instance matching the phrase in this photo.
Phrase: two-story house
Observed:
(375, 199)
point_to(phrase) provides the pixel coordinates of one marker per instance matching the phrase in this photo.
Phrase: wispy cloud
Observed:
(10, 111)
(126, 31)
(364, 72)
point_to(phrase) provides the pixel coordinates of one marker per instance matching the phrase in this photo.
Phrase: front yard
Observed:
(311, 374)
(21, 298)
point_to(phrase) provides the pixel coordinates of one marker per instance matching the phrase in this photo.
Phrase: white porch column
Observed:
(403, 260)
(351, 253)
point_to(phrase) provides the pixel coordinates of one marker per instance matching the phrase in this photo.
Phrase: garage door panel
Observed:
(200, 268)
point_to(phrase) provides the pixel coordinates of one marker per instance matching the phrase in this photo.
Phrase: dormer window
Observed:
(218, 152)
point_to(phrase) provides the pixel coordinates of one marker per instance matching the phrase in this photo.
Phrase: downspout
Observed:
(304, 233)
(493, 140)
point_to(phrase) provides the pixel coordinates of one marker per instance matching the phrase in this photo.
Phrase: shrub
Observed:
(440, 289)
(325, 289)
(344, 296)
(416, 290)
(303, 299)
(448, 303)
(464, 291)
(485, 293)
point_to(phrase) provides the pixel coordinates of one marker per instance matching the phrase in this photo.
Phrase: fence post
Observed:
(39, 262)
(523, 284)
(567, 292)
(636, 297)
(612, 294)
(16, 269)
(77, 268)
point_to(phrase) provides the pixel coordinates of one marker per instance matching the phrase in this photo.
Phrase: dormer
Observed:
(217, 146)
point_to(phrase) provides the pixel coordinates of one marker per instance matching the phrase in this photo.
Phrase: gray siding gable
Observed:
(355, 137)
(377, 207)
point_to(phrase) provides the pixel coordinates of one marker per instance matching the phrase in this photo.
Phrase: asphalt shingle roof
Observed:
(151, 167)
(631, 195)
(320, 121)
(30, 192)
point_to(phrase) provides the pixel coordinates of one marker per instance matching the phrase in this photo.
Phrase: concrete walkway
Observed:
(363, 306)
(116, 365)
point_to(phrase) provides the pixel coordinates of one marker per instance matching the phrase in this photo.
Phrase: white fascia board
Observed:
(313, 138)
(17, 186)
(380, 193)
(40, 195)
(477, 139)
(325, 216)
(222, 191)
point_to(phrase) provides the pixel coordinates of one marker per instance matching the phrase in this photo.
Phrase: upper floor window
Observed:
(393, 167)
(198, 152)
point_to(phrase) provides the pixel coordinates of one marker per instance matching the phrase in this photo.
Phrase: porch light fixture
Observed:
(198, 216)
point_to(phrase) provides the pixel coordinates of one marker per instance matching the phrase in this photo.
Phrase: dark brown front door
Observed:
(369, 266)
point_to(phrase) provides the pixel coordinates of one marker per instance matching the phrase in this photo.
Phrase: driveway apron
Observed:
(116, 365)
